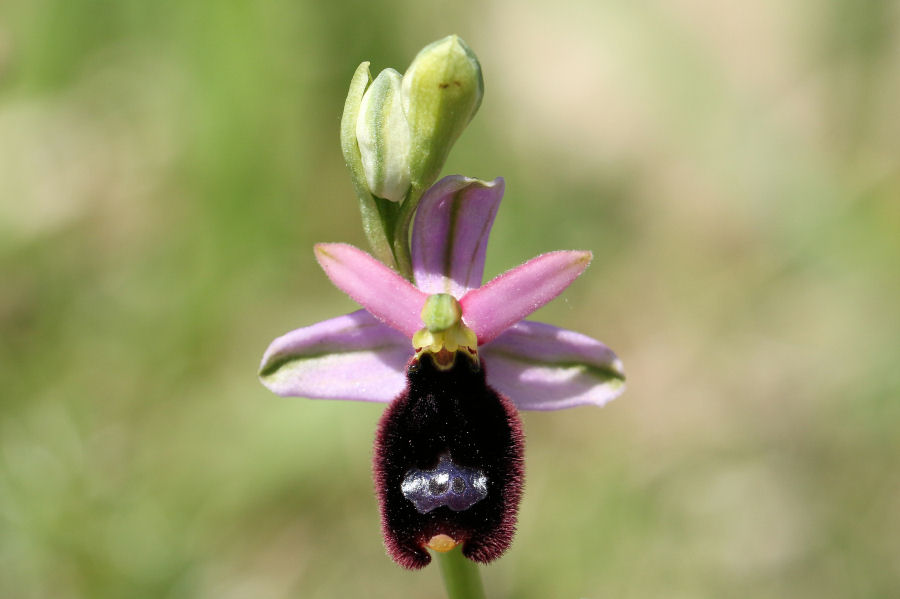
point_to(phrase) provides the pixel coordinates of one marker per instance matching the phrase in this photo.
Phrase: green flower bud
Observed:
(383, 137)
(442, 90)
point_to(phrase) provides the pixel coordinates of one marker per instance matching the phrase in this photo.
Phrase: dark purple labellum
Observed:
(448, 461)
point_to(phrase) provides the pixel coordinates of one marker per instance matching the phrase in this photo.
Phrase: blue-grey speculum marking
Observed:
(457, 487)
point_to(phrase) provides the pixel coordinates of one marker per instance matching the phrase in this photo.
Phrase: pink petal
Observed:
(388, 296)
(450, 234)
(542, 367)
(349, 357)
(504, 301)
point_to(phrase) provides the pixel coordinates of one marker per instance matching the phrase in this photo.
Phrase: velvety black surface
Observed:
(450, 412)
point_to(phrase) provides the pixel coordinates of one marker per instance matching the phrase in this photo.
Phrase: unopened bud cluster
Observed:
(404, 126)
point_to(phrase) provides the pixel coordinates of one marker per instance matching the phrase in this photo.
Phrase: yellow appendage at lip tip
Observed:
(441, 543)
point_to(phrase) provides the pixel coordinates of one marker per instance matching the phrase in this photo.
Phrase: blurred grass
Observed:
(166, 166)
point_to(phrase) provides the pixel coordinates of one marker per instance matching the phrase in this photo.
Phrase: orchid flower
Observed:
(363, 355)
(437, 340)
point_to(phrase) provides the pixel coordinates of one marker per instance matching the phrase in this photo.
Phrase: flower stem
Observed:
(400, 235)
(461, 577)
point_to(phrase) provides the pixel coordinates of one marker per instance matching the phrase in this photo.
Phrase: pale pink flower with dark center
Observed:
(363, 355)
(455, 359)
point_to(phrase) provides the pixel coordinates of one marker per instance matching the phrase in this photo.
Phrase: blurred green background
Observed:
(166, 166)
